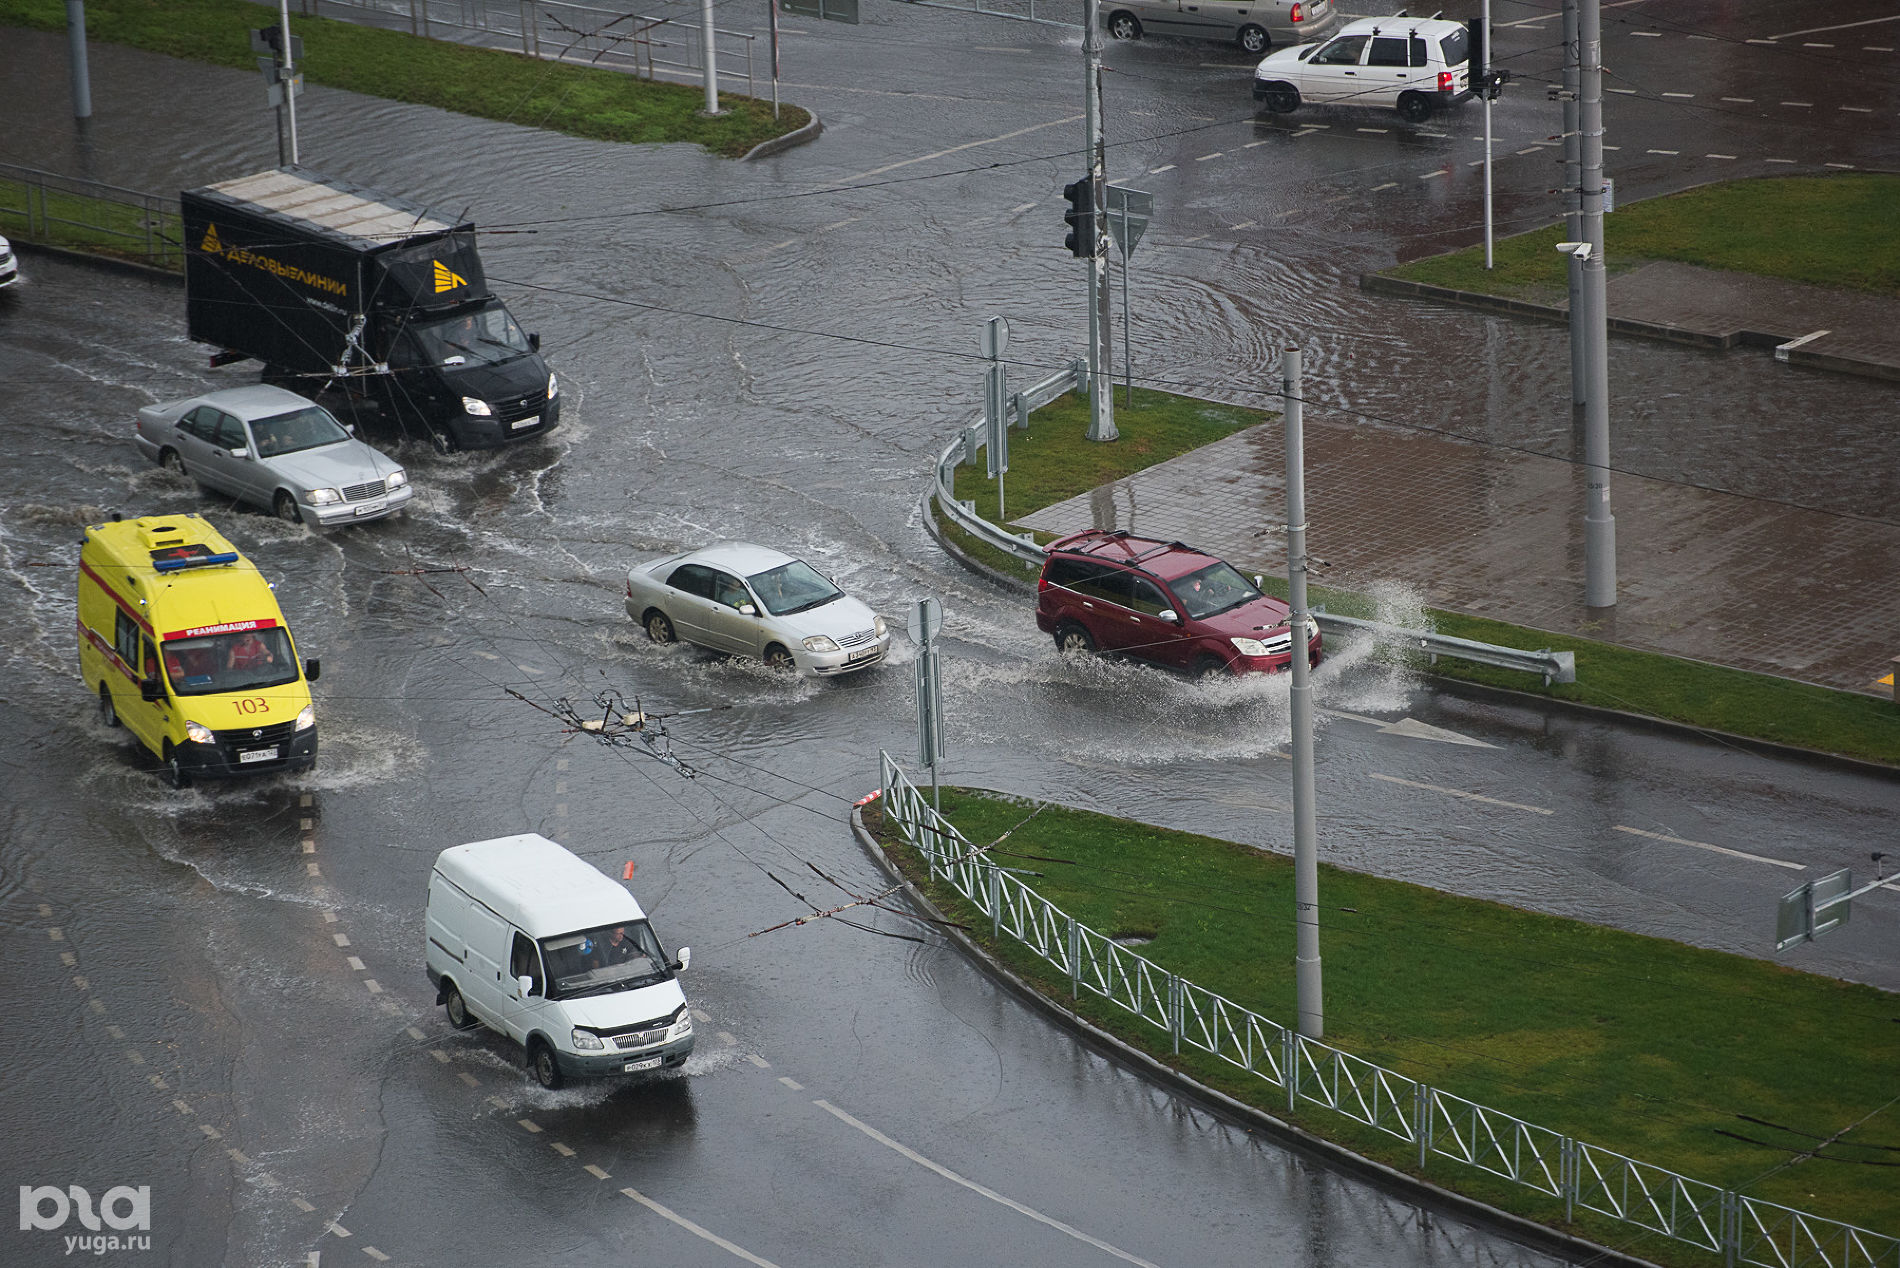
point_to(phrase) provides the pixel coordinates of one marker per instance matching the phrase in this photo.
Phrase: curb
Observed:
(111, 264)
(779, 144)
(1517, 1228)
(1380, 284)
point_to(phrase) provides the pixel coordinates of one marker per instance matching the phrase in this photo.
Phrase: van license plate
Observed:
(646, 1064)
(258, 755)
(533, 420)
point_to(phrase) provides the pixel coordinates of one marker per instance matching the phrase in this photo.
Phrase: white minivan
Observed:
(534, 942)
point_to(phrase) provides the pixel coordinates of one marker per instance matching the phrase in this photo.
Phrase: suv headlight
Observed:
(476, 406)
(323, 497)
(199, 733)
(587, 1040)
(307, 719)
(1312, 628)
(396, 479)
(554, 388)
(1249, 646)
(877, 623)
(821, 643)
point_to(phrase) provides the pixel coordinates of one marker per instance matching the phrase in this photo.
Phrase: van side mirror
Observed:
(152, 690)
(686, 958)
(524, 986)
(313, 668)
(534, 343)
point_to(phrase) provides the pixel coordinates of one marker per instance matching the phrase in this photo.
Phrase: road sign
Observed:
(996, 399)
(1129, 211)
(926, 620)
(1813, 909)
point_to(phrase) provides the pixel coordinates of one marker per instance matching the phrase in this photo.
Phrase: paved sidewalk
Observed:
(1703, 575)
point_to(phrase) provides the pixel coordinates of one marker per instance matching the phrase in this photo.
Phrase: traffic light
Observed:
(1479, 64)
(1082, 240)
(272, 38)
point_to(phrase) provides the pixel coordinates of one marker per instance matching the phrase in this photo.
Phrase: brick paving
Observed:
(1710, 576)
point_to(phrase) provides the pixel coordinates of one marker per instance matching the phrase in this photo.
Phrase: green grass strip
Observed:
(1833, 231)
(98, 226)
(583, 101)
(1723, 1068)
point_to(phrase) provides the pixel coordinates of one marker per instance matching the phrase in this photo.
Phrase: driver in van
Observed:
(620, 947)
(248, 652)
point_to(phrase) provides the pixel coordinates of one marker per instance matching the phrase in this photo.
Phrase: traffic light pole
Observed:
(1306, 967)
(1599, 525)
(288, 77)
(1101, 389)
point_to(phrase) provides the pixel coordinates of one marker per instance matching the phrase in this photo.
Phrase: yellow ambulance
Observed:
(182, 641)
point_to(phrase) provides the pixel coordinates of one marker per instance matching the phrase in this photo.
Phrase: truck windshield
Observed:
(300, 429)
(610, 958)
(477, 338)
(230, 662)
(792, 587)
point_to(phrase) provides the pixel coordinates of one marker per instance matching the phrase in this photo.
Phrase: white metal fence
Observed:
(1742, 1229)
(85, 215)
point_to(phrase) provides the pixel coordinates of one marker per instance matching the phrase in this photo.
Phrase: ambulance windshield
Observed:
(234, 661)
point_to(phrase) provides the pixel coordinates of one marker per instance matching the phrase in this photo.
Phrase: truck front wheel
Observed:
(442, 441)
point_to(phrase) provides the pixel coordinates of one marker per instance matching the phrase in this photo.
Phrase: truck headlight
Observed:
(821, 643)
(877, 623)
(199, 733)
(587, 1040)
(323, 497)
(683, 1027)
(307, 719)
(1249, 646)
(476, 406)
(396, 479)
(554, 388)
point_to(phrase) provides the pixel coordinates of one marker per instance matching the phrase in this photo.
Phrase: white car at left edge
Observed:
(756, 602)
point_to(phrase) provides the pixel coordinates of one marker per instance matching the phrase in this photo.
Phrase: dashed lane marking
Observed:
(1245, 224)
(758, 1061)
(1374, 131)
(697, 1231)
(1017, 211)
(1165, 167)
(1845, 167)
(1859, 109)
(1663, 151)
(1719, 156)
(1387, 185)
(375, 1254)
(791, 1083)
(1431, 175)
(353, 961)
(967, 145)
(560, 1149)
(528, 1125)
(1719, 849)
(1685, 96)
(1800, 105)
(1775, 160)
(306, 1208)
(974, 1187)
(341, 939)
(1627, 92)
(468, 1078)
(596, 1172)
(415, 1034)
(1216, 154)
(1250, 145)
(439, 1055)
(338, 1229)
(1532, 150)
(1459, 792)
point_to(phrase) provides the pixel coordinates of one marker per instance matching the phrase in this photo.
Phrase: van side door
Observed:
(487, 939)
(148, 721)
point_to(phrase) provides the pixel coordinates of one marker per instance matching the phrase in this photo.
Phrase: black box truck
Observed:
(334, 286)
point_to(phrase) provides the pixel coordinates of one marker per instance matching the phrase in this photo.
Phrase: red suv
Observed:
(1162, 602)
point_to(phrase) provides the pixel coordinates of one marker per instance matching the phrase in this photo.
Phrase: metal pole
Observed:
(1488, 53)
(1573, 199)
(1101, 404)
(1599, 525)
(712, 60)
(76, 48)
(1128, 353)
(286, 77)
(1312, 1013)
(771, 7)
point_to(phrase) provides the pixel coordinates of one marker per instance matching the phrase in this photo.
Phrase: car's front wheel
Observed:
(1124, 26)
(1073, 640)
(779, 660)
(108, 711)
(1210, 667)
(547, 1071)
(659, 629)
(174, 771)
(286, 508)
(1415, 107)
(1254, 39)
(1279, 98)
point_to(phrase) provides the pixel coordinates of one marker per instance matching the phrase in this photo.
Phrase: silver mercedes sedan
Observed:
(756, 602)
(274, 449)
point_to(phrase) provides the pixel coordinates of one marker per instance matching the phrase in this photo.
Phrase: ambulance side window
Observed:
(125, 640)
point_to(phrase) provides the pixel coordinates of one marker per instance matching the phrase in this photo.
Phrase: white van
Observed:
(535, 943)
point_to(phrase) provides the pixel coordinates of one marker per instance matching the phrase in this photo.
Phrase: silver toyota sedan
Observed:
(756, 602)
(274, 449)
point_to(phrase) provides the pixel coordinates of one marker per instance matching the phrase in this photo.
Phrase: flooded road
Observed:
(220, 992)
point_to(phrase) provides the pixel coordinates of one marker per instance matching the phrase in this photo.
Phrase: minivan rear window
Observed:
(1456, 46)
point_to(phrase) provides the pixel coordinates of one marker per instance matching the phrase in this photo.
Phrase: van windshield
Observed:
(610, 958)
(478, 338)
(237, 661)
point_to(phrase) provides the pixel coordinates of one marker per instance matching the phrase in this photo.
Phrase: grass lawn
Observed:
(1825, 230)
(1723, 1068)
(601, 104)
(96, 225)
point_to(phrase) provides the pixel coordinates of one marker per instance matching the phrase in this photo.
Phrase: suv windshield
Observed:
(1212, 590)
(229, 662)
(301, 429)
(792, 587)
(479, 338)
(610, 958)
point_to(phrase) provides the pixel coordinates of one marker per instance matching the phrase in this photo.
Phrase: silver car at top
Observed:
(757, 602)
(273, 448)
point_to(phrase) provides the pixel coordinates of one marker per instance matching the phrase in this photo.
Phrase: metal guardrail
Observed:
(556, 30)
(85, 215)
(1554, 666)
(1443, 1126)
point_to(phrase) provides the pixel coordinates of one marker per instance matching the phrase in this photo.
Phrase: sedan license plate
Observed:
(533, 420)
(369, 508)
(647, 1063)
(258, 755)
(868, 654)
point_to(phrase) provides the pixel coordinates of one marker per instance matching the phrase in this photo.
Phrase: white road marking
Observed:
(1017, 211)
(696, 1230)
(439, 1055)
(1627, 92)
(1800, 105)
(1165, 167)
(1246, 224)
(374, 987)
(1816, 30)
(338, 1229)
(1845, 167)
(1777, 160)
(839, 224)
(1250, 145)
(560, 1149)
(1648, 35)
(342, 939)
(181, 1107)
(1684, 95)
(1531, 150)
(758, 1061)
(528, 1125)
(211, 1133)
(974, 1187)
(992, 48)
(1387, 185)
(967, 145)
(1859, 109)
(1719, 156)
(353, 961)
(237, 1156)
(1813, 44)
(1741, 101)
(596, 1172)
(375, 1254)
(1664, 151)
(1379, 131)
(791, 1083)
(329, 917)
(1429, 175)
(1702, 37)
(1876, 48)
(1457, 792)
(1216, 154)
(1719, 849)
(468, 1078)
(306, 1208)
(1475, 163)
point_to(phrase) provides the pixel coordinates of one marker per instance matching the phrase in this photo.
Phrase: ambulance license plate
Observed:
(646, 1064)
(258, 755)
(533, 420)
